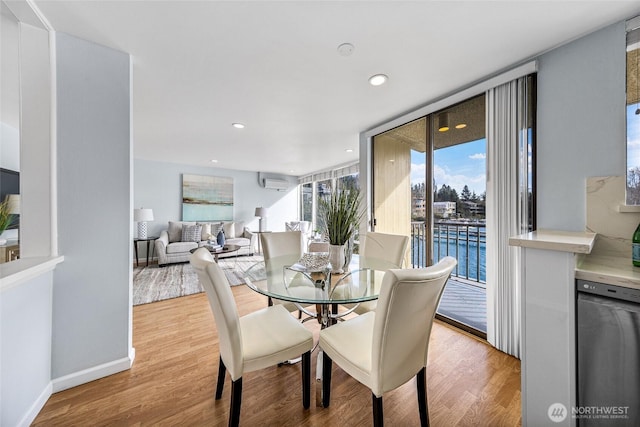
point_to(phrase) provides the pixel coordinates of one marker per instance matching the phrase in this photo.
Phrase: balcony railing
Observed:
(464, 241)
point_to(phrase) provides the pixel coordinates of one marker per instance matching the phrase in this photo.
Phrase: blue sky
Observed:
(457, 166)
(633, 136)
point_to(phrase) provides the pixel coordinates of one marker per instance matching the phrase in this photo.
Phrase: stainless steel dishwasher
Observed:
(608, 347)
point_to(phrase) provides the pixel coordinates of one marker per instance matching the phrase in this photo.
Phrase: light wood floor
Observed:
(172, 381)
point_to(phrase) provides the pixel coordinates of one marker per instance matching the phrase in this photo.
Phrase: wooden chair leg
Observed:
(222, 370)
(378, 419)
(236, 402)
(326, 379)
(306, 380)
(269, 302)
(423, 405)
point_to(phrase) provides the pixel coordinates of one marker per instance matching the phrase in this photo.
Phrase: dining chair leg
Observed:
(423, 405)
(378, 419)
(269, 302)
(236, 402)
(326, 379)
(306, 380)
(222, 370)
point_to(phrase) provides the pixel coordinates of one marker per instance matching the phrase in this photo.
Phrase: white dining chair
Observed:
(278, 245)
(256, 341)
(389, 248)
(385, 348)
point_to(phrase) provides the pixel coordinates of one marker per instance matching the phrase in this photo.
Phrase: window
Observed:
(633, 112)
(306, 205)
(322, 184)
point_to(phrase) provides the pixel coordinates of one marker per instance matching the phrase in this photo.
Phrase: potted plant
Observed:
(340, 215)
(6, 217)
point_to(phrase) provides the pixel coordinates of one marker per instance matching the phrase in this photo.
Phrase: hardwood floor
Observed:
(172, 381)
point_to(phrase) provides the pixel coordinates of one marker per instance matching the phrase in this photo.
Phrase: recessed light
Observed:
(349, 150)
(461, 125)
(214, 161)
(378, 79)
(238, 125)
(291, 171)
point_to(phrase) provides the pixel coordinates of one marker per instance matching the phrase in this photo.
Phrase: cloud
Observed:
(478, 156)
(418, 172)
(442, 176)
(476, 183)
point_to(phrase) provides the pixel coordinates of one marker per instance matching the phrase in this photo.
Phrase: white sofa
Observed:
(175, 246)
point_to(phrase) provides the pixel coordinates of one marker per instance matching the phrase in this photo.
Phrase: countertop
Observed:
(554, 240)
(612, 270)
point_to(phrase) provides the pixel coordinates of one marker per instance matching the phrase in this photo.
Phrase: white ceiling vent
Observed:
(276, 184)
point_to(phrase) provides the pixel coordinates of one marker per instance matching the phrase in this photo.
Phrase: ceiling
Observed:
(199, 66)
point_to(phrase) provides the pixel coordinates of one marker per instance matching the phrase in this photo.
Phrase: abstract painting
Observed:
(207, 198)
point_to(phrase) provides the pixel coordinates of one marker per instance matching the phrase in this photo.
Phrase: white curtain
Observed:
(508, 163)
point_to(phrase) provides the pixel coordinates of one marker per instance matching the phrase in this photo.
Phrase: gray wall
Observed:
(91, 299)
(581, 124)
(158, 185)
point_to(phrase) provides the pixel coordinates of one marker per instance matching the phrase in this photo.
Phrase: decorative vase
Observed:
(221, 238)
(336, 258)
(348, 252)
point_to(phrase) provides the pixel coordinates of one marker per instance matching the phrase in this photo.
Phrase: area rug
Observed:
(155, 283)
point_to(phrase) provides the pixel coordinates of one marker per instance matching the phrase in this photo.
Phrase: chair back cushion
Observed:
(281, 243)
(224, 310)
(385, 247)
(404, 316)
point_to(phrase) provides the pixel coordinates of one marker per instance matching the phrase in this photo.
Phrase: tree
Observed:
(446, 194)
(465, 195)
(633, 186)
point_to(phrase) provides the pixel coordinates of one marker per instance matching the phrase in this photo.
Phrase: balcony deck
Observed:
(466, 303)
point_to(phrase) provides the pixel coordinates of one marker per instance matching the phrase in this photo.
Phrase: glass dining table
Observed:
(309, 284)
(308, 281)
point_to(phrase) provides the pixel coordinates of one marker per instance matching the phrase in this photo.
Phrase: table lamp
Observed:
(141, 216)
(262, 213)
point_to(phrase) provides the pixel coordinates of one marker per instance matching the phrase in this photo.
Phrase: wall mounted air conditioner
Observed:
(276, 184)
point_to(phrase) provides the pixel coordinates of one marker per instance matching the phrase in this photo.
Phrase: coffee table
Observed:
(225, 250)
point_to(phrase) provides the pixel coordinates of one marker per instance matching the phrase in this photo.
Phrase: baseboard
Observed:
(92, 374)
(36, 406)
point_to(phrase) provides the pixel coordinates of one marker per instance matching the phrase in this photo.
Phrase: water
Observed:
(445, 244)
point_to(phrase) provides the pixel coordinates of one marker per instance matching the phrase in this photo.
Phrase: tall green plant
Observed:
(6, 217)
(341, 214)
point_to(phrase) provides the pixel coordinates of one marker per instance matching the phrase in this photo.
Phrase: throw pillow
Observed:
(215, 229)
(239, 226)
(191, 233)
(175, 231)
(229, 230)
(292, 226)
(206, 230)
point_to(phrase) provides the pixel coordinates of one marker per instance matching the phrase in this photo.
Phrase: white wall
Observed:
(158, 185)
(26, 308)
(581, 124)
(92, 288)
(25, 328)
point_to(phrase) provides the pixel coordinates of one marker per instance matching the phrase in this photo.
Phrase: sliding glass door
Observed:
(429, 184)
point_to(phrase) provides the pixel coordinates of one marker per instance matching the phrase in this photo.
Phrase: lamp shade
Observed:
(14, 203)
(261, 212)
(142, 214)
